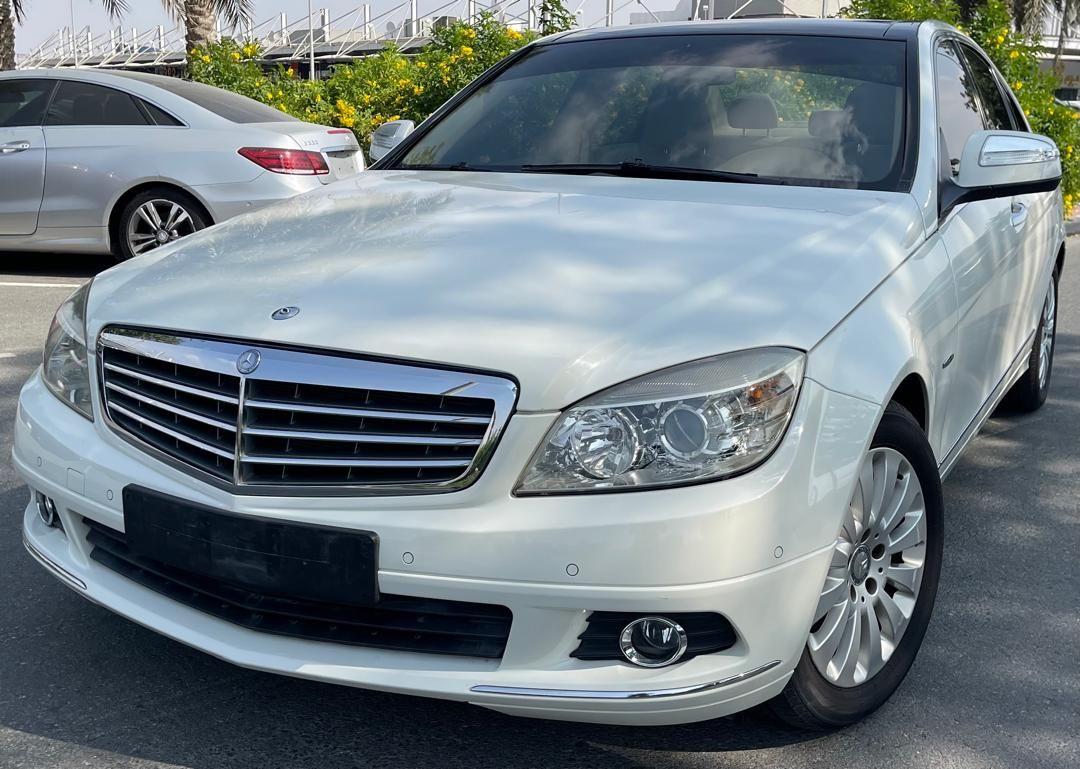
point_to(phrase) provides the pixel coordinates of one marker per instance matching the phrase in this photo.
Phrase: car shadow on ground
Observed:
(32, 264)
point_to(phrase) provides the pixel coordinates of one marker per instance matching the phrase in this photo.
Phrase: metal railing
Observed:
(311, 37)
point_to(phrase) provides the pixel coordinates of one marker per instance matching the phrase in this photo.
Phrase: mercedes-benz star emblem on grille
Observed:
(284, 313)
(248, 361)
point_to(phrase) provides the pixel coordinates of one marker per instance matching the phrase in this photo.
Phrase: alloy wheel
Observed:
(157, 222)
(875, 574)
(1046, 342)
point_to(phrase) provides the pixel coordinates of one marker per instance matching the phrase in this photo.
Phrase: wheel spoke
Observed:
(824, 643)
(907, 534)
(847, 655)
(894, 614)
(146, 217)
(905, 493)
(872, 652)
(174, 212)
(183, 217)
(834, 594)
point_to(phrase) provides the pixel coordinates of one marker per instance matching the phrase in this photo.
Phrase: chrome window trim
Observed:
(641, 694)
(308, 366)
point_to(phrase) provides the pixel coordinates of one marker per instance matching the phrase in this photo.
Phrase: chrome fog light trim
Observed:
(653, 642)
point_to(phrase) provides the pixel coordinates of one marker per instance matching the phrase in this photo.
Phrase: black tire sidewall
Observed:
(826, 705)
(120, 249)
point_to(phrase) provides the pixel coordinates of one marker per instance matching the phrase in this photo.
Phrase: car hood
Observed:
(568, 283)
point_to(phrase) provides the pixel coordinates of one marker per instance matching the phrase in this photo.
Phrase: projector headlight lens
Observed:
(704, 420)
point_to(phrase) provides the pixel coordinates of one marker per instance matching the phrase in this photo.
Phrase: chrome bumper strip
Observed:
(579, 694)
(57, 570)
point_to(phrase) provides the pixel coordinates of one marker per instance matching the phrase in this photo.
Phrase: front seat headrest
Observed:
(753, 110)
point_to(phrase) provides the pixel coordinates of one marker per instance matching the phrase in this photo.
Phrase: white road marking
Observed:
(7, 355)
(12, 284)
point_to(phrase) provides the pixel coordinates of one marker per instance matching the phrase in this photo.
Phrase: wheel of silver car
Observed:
(875, 575)
(875, 605)
(154, 218)
(157, 222)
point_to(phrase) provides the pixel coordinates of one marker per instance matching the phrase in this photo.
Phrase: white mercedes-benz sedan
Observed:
(621, 390)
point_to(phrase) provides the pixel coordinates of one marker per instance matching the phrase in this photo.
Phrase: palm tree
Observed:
(12, 12)
(200, 17)
(1030, 16)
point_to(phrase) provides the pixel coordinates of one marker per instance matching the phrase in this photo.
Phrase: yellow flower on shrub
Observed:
(194, 51)
(290, 73)
(421, 64)
(513, 34)
(249, 50)
(1014, 54)
(999, 39)
(469, 32)
(417, 90)
(1018, 85)
(268, 95)
(235, 56)
(466, 50)
(206, 59)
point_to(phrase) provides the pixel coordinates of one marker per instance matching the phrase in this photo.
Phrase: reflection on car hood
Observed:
(570, 284)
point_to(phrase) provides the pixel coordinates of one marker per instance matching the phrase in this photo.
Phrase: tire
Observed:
(1030, 391)
(822, 695)
(137, 231)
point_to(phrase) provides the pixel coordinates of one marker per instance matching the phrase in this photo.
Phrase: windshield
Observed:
(788, 109)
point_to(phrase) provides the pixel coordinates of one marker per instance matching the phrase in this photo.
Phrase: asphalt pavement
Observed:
(997, 683)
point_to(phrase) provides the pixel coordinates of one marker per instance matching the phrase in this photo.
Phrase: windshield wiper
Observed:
(637, 169)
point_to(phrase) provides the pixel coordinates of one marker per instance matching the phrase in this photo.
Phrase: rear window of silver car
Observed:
(231, 106)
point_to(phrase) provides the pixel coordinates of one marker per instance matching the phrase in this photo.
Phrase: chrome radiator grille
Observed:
(309, 421)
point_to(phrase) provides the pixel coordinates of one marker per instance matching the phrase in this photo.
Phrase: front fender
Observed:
(907, 325)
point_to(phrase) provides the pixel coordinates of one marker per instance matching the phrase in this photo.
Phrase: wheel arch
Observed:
(912, 394)
(117, 206)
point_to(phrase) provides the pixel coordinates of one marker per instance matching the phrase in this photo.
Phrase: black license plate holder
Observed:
(286, 559)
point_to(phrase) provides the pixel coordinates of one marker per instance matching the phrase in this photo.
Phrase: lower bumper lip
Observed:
(52, 566)
(580, 694)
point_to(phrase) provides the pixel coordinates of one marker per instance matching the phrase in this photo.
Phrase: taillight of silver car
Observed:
(285, 161)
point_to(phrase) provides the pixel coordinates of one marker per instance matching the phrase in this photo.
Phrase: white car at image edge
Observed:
(621, 390)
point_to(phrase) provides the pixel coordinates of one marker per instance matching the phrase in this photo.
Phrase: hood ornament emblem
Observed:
(248, 361)
(284, 313)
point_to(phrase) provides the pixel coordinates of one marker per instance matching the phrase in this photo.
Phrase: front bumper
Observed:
(754, 548)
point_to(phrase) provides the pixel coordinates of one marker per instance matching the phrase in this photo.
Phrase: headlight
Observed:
(697, 422)
(64, 369)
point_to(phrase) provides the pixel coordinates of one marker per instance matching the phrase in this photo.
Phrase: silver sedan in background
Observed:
(123, 162)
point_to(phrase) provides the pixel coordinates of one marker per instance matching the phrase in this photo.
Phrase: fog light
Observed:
(653, 642)
(46, 509)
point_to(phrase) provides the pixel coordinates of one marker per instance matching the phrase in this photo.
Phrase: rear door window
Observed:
(23, 102)
(87, 104)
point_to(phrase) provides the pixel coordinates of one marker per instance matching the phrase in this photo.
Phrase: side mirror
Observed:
(389, 135)
(1000, 164)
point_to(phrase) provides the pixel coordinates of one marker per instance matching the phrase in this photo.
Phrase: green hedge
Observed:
(370, 91)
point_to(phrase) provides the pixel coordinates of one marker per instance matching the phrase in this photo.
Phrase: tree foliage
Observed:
(368, 92)
(1013, 52)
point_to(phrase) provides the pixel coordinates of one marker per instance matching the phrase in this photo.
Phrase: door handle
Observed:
(12, 147)
(1018, 215)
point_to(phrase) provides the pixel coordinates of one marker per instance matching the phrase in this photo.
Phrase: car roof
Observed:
(781, 25)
